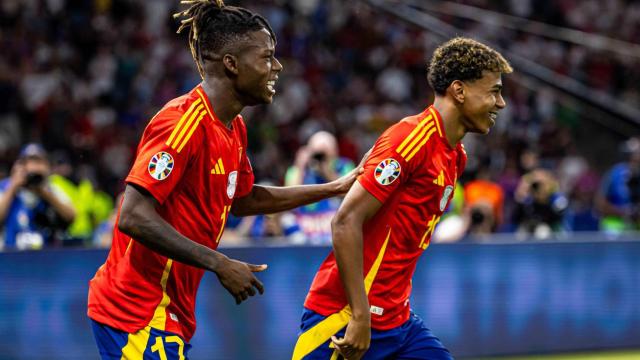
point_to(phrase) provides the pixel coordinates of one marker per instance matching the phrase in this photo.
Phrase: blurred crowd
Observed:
(80, 80)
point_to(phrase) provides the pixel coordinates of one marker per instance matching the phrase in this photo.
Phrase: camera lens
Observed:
(319, 156)
(34, 179)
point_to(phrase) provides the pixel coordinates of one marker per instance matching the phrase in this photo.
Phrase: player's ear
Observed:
(456, 90)
(230, 63)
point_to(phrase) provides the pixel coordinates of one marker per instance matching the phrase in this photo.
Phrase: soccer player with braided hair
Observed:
(358, 305)
(191, 170)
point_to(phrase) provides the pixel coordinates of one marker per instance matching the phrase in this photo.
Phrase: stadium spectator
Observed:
(540, 206)
(317, 163)
(618, 198)
(92, 206)
(33, 211)
(484, 202)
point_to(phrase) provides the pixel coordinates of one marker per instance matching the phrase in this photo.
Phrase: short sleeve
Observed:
(245, 176)
(385, 170)
(164, 153)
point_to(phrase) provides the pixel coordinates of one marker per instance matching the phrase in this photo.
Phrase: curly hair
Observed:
(463, 59)
(214, 25)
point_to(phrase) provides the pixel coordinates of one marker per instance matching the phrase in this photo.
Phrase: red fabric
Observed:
(193, 198)
(410, 203)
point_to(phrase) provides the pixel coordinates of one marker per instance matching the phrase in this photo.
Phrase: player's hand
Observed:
(344, 183)
(238, 278)
(356, 341)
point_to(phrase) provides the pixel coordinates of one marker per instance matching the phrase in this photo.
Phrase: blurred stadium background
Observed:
(544, 265)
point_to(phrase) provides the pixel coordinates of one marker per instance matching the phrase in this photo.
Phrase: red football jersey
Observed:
(412, 170)
(194, 166)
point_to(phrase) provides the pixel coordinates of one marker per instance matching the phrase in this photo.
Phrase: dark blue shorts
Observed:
(147, 344)
(411, 340)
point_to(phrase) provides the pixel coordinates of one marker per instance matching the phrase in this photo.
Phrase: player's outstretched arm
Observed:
(358, 206)
(139, 219)
(272, 199)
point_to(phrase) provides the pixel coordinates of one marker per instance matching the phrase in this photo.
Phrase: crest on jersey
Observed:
(387, 171)
(445, 197)
(231, 184)
(160, 165)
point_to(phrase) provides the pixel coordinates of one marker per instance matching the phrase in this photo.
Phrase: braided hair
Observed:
(214, 25)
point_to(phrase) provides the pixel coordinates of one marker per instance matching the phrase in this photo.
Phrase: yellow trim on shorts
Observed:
(136, 344)
(322, 331)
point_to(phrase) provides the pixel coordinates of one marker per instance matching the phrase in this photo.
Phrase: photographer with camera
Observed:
(618, 199)
(540, 206)
(31, 210)
(316, 163)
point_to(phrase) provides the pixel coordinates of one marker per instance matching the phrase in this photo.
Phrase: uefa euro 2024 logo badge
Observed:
(160, 165)
(387, 171)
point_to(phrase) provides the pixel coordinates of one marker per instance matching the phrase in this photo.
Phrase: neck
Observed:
(451, 119)
(225, 105)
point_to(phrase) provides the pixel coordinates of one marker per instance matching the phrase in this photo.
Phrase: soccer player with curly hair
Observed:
(358, 304)
(191, 170)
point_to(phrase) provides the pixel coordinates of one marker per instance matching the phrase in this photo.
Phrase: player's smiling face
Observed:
(258, 69)
(482, 101)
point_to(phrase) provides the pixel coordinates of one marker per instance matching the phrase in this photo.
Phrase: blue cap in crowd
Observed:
(33, 150)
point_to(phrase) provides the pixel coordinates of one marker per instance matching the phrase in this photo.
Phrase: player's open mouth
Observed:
(271, 84)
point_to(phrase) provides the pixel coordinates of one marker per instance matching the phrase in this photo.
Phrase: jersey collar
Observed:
(207, 104)
(439, 125)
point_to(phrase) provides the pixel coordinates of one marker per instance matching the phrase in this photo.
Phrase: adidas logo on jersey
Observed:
(218, 169)
(440, 179)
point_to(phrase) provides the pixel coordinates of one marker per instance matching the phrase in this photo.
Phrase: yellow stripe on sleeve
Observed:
(193, 128)
(415, 151)
(186, 126)
(413, 133)
(184, 116)
(415, 141)
(322, 331)
(433, 113)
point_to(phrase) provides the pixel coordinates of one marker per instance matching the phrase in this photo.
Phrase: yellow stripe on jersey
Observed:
(433, 113)
(415, 151)
(221, 166)
(137, 342)
(206, 105)
(417, 139)
(160, 315)
(182, 119)
(223, 217)
(368, 281)
(422, 123)
(186, 126)
(322, 331)
(193, 128)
